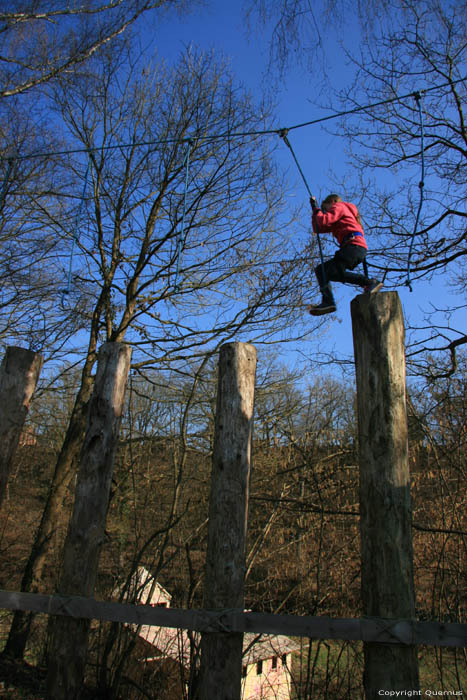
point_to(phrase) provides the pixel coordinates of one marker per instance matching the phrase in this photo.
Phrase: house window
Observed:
(274, 663)
(284, 659)
(244, 671)
(259, 668)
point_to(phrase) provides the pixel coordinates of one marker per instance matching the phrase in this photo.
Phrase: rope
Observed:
(240, 134)
(181, 235)
(421, 184)
(283, 134)
(75, 235)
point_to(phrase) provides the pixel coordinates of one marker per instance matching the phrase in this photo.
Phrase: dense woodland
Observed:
(303, 552)
(125, 218)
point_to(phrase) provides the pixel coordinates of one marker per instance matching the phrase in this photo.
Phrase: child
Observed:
(343, 221)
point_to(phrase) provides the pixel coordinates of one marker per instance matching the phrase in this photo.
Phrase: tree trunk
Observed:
(87, 528)
(221, 654)
(385, 503)
(19, 373)
(53, 515)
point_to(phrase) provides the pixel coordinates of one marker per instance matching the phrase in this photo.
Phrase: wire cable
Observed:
(231, 135)
(241, 134)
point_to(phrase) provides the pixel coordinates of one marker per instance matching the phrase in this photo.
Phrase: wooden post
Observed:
(385, 504)
(221, 653)
(19, 373)
(69, 637)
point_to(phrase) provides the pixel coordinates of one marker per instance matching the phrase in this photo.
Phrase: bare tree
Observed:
(396, 48)
(295, 30)
(28, 254)
(304, 543)
(415, 49)
(139, 277)
(42, 40)
(421, 46)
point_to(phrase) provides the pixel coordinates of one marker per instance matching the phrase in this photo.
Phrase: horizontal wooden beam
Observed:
(372, 629)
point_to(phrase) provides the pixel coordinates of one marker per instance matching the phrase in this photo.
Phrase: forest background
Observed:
(133, 209)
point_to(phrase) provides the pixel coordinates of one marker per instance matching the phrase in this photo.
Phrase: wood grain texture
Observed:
(86, 533)
(19, 373)
(385, 503)
(380, 630)
(221, 655)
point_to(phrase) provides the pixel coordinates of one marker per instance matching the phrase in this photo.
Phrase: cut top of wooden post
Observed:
(236, 387)
(112, 375)
(19, 373)
(378, 335)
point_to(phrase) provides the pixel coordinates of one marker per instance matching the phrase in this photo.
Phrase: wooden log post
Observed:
(221, 653)
(19, 373)
(69, 637)
(385, 503)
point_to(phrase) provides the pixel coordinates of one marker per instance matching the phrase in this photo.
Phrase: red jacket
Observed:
(340, 220)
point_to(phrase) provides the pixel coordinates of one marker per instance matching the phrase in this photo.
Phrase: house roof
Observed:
(176, 644)
(170, 642)
(148, 590)
(258, 647)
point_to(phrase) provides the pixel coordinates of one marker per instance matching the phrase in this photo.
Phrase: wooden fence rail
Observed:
(372, 629)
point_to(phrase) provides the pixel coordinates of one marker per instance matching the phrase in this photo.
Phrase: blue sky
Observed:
(221, 26)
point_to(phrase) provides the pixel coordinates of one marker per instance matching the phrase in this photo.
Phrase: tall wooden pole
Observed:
(385, 504)
(69, 637)
(221, 653)
(19, 372)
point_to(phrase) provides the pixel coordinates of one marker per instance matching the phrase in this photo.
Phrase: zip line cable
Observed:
(421, 185)
(229, 135)
(240, 134)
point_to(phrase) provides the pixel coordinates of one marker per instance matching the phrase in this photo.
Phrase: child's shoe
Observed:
(323, 308)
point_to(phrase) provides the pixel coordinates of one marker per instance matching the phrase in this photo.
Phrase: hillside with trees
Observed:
(303, 551)
(143, 201)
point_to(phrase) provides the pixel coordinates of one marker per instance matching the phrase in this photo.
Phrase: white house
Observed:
(266, 659)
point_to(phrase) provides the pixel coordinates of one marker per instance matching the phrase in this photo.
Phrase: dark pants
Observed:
(336, 270)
